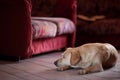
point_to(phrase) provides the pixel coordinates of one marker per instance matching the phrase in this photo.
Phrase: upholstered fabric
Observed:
(66, 9)
(16, 28)
(44, 27)
(100, 27)
(43, 8)
(106, 30)
(54, 8)
(111, 8)
(86, 7)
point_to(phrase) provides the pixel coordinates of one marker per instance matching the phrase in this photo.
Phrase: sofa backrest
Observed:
(43, 7)
(109, 8)
(54, 8)
(86, 7)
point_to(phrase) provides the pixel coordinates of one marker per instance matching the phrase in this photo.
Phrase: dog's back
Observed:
(106, 54)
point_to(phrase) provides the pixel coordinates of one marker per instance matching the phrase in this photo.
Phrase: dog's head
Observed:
(70, 57)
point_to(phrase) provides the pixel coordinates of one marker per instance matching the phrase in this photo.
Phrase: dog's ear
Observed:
(75, 57)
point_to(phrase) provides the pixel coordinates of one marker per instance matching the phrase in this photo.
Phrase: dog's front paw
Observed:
(60, 69)
(63, 68)
(82, 72)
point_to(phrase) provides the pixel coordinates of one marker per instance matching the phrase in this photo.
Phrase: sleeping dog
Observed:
(91, 57)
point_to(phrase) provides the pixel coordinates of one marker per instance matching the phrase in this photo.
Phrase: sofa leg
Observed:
(10, 58)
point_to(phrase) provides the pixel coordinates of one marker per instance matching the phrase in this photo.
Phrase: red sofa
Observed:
(105, 28)
(16, 27)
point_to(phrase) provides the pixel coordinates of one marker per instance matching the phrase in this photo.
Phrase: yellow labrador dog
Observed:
(91, 57)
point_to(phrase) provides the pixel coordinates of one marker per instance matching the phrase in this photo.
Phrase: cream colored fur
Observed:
(91, 57)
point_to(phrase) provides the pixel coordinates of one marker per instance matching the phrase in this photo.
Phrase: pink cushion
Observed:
(43, 29)
(50, 27)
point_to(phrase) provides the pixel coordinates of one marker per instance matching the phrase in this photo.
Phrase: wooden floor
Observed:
(42, 68)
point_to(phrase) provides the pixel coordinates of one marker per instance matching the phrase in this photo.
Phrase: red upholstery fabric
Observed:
(16, 31)
(106, 30)
(43, 7)
(15, 27)
(49, 44)
(66, 8)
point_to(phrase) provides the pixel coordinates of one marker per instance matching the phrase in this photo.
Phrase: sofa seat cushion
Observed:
(44, 27)
(100, 27)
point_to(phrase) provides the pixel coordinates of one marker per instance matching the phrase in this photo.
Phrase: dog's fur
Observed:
(91, 57)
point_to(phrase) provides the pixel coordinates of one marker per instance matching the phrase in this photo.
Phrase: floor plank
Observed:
(41, 67)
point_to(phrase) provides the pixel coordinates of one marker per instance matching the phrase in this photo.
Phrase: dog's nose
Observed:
(55, 63)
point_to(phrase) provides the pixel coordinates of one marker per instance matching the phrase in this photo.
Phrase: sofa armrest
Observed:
(15, 27)
(67, 9)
